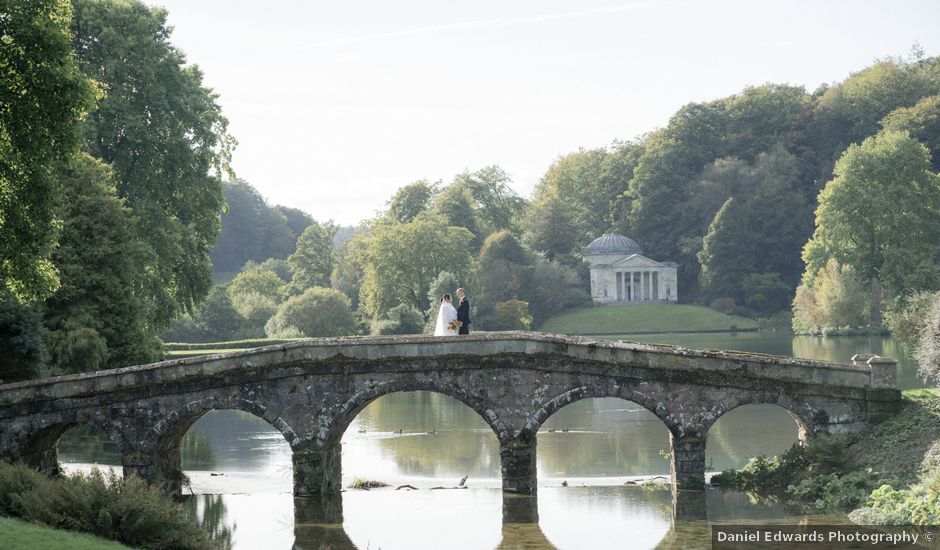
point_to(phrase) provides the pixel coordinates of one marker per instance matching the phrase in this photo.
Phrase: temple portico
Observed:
(620, 273)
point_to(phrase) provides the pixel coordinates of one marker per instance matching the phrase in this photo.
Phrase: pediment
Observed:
(636, 260)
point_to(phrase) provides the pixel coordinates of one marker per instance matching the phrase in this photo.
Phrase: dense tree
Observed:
(759, 230)
(311, 263)
(555, 288)
(549, 228)
(255, 293)
(927, 351)
(922, 122)
(455, 205)
(496, 205)
(100, 302)
(163, 133)
(349, 265)
(403, 259)
(24, 352)
(401, 319)
(317, 312)
(43, 97)
(881, 215)
(411, 200)
(251, 231)
(832, 298)
(297, 220)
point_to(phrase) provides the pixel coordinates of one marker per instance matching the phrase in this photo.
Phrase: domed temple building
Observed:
(621, 273)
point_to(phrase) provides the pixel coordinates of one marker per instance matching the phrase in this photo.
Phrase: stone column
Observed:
(318, 470)
(517, 462)
(688, 463)
(139, 463)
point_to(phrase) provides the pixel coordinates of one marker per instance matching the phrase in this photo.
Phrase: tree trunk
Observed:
(875, 312)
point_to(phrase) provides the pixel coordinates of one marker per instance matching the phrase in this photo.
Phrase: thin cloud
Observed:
(479, 23)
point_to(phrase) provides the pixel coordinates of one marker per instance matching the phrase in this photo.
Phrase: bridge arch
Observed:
(39, 451)
(645, 400)
(340, 420)
(802, 414)
(164, 438)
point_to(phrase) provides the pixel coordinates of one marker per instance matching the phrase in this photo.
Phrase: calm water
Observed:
(596, 447)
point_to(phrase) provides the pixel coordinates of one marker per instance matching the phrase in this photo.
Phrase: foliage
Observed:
(832, 298)
(214, 320)
(43, 98)
(907, 320)
(349, 266)
(410, 201)
(311, 263)
(724, 305)
(765, 293)
(253, 231)
(858, 222)
(554, 288)
(922, 122)
(106, 505)
(927, 352)
(255, 279)
(455, 205)
(511, 315)
(919, 505)
(402, 260)
(401, 319)
(317, 312)
(835, 492)
(99, 317)
(496, 205)
(163, 133)
(20, 338)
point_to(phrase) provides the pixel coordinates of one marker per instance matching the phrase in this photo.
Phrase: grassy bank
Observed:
(641, 318)
(20, 535)
(889, 474)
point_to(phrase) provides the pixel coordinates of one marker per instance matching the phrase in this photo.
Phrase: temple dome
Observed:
(610, 243)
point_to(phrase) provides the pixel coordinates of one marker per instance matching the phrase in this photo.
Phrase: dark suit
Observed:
(463, 315)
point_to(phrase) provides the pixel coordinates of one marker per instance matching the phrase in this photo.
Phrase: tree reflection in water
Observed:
(208, 511)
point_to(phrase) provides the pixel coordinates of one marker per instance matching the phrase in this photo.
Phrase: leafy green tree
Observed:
(312, 262)
(21, 339)
(922, 122)
(218, 317)
(555, 288)
(880, 214)
(831, 298)
(280, 267)
(297, 220)
(455, 205)
(163, 133)
(255, 294)
(549, 229)
(43, 98)
(907, 320)
(251, 231)
(497, 206)
(403, 259)
(512, 315)
(99, 261)
(349, 266)
(766, 293)
(317, 312)
(927, 351)
(411, 200)
(401, 319)
(728, 241)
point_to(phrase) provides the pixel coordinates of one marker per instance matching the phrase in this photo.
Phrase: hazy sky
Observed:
(337, 104)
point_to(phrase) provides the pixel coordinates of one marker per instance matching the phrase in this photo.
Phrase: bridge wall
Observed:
(311, 390)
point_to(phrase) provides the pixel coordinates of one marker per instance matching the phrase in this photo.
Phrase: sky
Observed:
(336, 105)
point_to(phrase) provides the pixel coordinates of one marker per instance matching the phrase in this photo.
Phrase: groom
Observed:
(463, 312)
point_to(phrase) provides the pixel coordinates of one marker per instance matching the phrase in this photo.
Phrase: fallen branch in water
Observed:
(412, 487)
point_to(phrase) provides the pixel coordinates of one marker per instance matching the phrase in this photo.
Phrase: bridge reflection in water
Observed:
(318, 521)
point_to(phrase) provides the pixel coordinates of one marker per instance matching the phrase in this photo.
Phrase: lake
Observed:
(601, 469)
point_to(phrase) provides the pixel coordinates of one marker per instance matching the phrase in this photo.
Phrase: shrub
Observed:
(402, 319)
(833, 297)
(78, 349)
(123, 509)
(765, 292)
(317, 312)
(724, 305)
(927, 352)
(512, 315)
(908, 319)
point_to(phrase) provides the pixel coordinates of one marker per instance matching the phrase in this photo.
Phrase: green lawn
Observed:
(20, 535)
(636, 318)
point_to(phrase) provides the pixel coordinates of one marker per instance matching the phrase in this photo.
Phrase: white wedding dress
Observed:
(445, 315)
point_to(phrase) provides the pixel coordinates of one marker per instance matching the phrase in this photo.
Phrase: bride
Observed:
(445, 316)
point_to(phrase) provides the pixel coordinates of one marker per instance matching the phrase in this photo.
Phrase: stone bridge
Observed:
(310, 391)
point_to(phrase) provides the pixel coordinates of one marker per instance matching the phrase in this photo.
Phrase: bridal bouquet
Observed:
(454, 325)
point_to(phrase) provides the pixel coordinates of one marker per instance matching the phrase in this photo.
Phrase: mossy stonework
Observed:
(311, 390)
